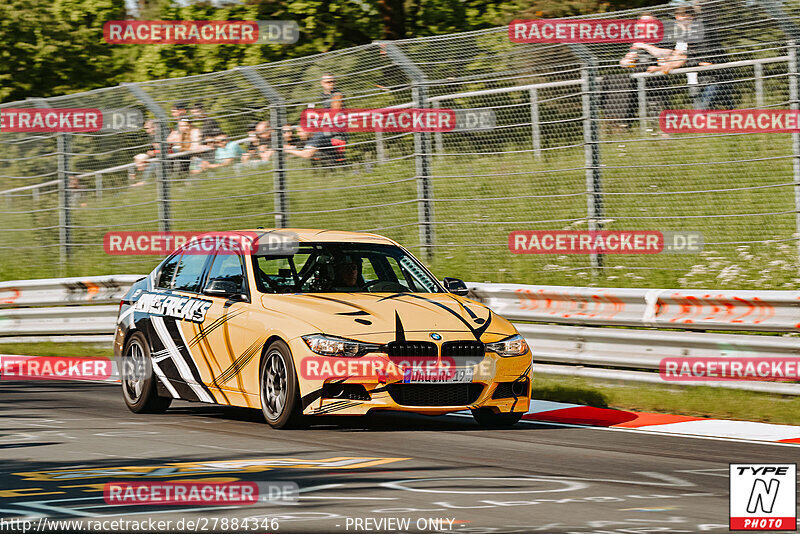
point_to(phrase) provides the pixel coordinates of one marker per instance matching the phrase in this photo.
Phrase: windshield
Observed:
(343, 268)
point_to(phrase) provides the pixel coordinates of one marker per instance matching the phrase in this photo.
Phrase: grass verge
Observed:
(698, 401)
(69, 350)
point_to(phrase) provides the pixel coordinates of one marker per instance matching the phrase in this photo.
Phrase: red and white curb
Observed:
(576, 414)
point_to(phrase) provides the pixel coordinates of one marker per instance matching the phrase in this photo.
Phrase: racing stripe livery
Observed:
(208, 346)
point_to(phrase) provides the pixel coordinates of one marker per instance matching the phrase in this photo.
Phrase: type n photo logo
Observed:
(763, 497)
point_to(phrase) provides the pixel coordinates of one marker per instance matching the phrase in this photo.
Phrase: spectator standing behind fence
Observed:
(183, 139)
(225, 152)
(207, 128)
(141, 171)
(648, 58)
(706, 49)
(259, 143)
(320, 142)
(144, 163)
(333, 145)
(697, 44)
(293, 140)
(618, 95)
(178, 110)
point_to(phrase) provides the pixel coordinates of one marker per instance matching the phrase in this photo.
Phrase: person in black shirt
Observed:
(332, 98)
(259, 142)
(207, 126)
(695, 52)
(619, 91)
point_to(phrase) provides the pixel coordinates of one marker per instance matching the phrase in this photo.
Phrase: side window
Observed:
(228, 268)
(189, 272)
(368, 271)
(400, 273)
(167, 272)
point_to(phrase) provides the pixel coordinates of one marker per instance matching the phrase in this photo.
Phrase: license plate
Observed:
(438, 376)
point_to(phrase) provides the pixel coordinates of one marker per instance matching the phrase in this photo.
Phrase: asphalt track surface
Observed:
(61, 442)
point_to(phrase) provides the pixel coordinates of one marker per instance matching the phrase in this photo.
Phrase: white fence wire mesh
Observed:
(575, 145)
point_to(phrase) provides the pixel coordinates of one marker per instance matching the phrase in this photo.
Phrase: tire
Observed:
(137, 378)
(486, 417)
(279, 391)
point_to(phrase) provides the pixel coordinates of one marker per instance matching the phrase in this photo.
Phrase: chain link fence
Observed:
(575, 145)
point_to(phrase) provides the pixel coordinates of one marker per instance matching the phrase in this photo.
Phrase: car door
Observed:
(176, 311)
(232, 336)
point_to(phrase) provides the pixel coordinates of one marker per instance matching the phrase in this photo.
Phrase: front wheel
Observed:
(279, 390)
(486, 417)
(138, 382)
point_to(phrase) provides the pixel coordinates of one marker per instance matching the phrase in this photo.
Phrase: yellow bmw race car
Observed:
(312, 322)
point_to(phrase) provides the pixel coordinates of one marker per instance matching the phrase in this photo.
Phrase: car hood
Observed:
(382, 317)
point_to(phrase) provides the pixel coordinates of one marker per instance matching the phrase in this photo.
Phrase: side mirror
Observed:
(223, 287)
(456, 286)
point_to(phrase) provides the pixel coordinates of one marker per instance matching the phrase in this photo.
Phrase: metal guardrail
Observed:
(635, 354)
(80, 309)
(61, 291)
(755, 311)
(63, 309)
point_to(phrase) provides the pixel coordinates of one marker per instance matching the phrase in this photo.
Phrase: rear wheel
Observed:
(279, 390)
(138, 381)
(486, 417)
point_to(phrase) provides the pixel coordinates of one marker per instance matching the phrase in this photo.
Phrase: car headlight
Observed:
(511, 346)
(336, 346)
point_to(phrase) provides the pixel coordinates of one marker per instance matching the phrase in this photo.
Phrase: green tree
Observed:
(57, 47)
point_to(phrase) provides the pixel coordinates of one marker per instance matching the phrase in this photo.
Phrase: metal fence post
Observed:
(758, 75)
(773, 7)
(641, 98)
(63, 149)
(422, 147)
(437, 137)
(162, 131)
(591, 140)
(64, 143)
(794, 99)
(277, 110)
(380, 150)
(535, 128)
